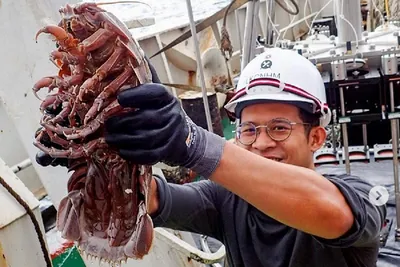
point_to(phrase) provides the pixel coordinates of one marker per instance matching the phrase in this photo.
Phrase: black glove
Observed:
(160, 131)
(45, 159)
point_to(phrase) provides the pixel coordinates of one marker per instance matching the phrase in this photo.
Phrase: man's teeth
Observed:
(276, 159)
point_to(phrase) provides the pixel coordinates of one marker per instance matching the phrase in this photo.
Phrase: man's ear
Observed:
(317, 138)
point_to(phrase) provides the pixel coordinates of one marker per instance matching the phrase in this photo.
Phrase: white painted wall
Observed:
(17, 233)
(13, 152)
(23, 63)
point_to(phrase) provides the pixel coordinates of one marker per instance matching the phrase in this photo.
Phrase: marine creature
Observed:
(106, 209)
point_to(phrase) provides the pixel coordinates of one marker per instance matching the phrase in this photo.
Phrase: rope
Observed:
(285, 7)
(226, 45)
(394, 7)
(379, 8)
(33, 219)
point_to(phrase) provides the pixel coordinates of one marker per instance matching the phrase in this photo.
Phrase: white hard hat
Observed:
(280, 75)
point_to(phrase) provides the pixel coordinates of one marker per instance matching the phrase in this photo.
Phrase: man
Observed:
(262, 197)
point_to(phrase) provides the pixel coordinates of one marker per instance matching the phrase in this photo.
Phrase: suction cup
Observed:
(354, 64)
(356, 67)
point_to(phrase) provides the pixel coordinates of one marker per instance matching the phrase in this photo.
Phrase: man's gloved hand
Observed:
(160, 131)
(45, 159)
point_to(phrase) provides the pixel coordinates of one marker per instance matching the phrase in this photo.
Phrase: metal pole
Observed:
(390, 67)
(239, 31)
(269, 29)
(339, 73)
(351, 11)
(256, 10)
(395, 148)
(248, 34)
(365, 137)
(22, 165)
(345, 134)
(206, 248)
(165, 62)
(199, 66)
(334, 139)
(398, 128)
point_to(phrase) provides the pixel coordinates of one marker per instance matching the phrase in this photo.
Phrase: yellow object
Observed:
(3, 262)
(387, 8)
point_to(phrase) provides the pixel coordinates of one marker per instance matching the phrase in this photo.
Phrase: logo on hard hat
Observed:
(266, 64)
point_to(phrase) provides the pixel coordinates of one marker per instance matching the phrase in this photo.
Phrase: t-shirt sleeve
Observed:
(189, 207)
(369, 218)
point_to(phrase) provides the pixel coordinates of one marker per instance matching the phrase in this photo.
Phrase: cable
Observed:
(227, 12)
(284, 33)
(33, 219)
(351, 25)
(226, 45)
(305, 9)
(284, 7)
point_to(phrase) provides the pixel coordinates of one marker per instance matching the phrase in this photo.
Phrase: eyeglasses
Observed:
(277, 129)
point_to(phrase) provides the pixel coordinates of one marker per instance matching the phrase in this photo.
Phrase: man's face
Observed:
(297, 149)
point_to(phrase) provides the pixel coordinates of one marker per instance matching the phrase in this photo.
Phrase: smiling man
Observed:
(262, 197)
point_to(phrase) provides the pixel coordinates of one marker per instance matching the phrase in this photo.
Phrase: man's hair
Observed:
(313, 120)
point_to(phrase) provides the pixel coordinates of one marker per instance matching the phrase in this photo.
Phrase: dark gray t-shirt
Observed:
(252, 239)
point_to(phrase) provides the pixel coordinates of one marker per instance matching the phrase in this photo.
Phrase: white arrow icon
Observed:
(378, 195)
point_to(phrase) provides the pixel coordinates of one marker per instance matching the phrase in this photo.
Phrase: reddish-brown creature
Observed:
(105, 210)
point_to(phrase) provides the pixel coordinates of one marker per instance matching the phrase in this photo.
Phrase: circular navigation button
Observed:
(378, 195)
